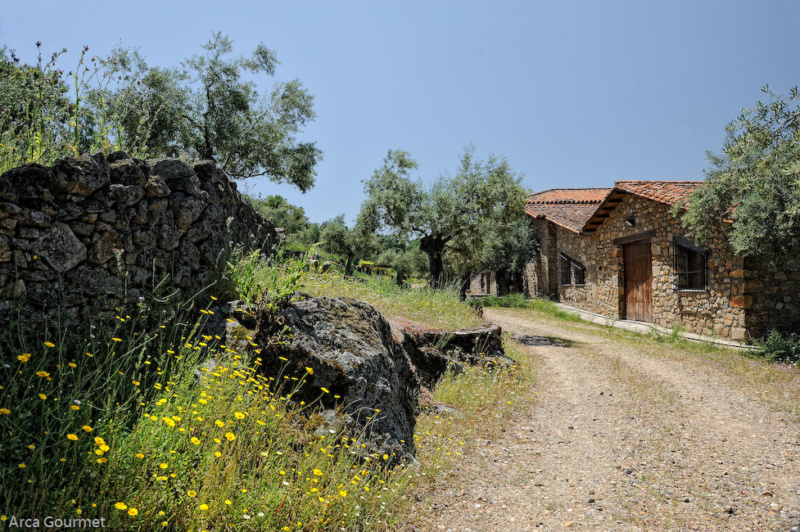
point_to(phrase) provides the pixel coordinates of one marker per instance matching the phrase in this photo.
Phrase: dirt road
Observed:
(626, 435)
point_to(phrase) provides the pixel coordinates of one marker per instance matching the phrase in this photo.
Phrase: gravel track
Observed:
(621, 438)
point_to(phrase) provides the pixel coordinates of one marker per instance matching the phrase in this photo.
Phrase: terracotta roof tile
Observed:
(669, 192)
(569, 195)
(570, 208)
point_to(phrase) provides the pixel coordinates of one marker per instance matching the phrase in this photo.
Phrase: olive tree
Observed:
(755, 182)
(451, 209)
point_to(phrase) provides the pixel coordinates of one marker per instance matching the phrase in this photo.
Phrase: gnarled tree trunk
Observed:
(433, 246)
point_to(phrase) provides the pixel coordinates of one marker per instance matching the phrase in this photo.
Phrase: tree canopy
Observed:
(208, 108)
(755, 182)
(450, 215)
(349, 243)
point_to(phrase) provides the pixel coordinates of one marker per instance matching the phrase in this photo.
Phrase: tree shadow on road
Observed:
(539, 341)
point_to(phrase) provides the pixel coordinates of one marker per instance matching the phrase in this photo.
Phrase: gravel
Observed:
(621, 438)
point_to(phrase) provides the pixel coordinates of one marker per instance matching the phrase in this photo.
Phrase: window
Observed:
(571, 271)
(689, 265)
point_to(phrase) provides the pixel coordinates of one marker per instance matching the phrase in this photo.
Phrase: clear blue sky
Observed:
(573, 93)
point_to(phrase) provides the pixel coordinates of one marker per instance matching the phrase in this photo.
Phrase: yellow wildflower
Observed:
(72, 437)
(121, 506)
(49, 344)
(24, 357)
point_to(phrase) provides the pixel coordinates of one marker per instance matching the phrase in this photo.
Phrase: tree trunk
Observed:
(400, 279)
(433, 246)
(462, 293)
(348, 269)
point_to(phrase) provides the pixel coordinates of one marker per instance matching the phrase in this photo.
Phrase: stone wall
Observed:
(536, 276)
(97, 229)
(770, 297)
(483, 284)
(581, 249)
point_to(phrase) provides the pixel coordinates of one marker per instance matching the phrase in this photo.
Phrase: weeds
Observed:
(124, 420)
(781, 348)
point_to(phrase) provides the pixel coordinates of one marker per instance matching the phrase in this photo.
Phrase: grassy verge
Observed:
(437, 309)
(519, 301)
(115, 420)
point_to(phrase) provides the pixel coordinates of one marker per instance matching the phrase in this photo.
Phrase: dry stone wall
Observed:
(770, 297)
(99, 229)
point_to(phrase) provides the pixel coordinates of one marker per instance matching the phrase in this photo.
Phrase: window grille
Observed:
(571, 271)
(689, 265)
(566, 278)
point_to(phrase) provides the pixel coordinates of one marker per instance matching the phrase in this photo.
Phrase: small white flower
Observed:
(76, 401)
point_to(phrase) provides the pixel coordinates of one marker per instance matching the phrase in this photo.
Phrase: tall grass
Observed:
(124, 420)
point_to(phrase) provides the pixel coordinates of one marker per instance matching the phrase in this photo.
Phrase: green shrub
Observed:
(780, 347)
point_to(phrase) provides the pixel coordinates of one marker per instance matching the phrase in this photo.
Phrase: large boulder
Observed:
(359, 372)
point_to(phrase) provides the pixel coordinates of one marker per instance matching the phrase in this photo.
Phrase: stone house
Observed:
(622, 252)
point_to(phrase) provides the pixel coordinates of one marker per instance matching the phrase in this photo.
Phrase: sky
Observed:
(572, 93)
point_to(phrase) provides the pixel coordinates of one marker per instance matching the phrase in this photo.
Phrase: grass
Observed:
(519, 301)
(434, 308)
(114, 420)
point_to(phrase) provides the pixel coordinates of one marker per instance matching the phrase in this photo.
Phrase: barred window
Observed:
(689, 265)
(563, 263)
(571, 271)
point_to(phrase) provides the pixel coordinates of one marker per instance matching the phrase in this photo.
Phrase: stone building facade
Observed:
(623, 253)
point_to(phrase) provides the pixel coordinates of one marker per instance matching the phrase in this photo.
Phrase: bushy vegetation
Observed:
(125, 421)
(204, 109)
(753, 183)
(781, 347)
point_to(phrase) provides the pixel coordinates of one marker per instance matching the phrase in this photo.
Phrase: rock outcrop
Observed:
(104, 230)
(359, 372)
(367, 374)
(435, 351)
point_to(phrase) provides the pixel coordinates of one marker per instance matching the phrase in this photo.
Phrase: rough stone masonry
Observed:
(102, 230)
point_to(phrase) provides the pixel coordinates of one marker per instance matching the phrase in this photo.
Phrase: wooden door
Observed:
(638, 264)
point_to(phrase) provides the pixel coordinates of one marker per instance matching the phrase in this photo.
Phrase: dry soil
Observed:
(621, 437)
